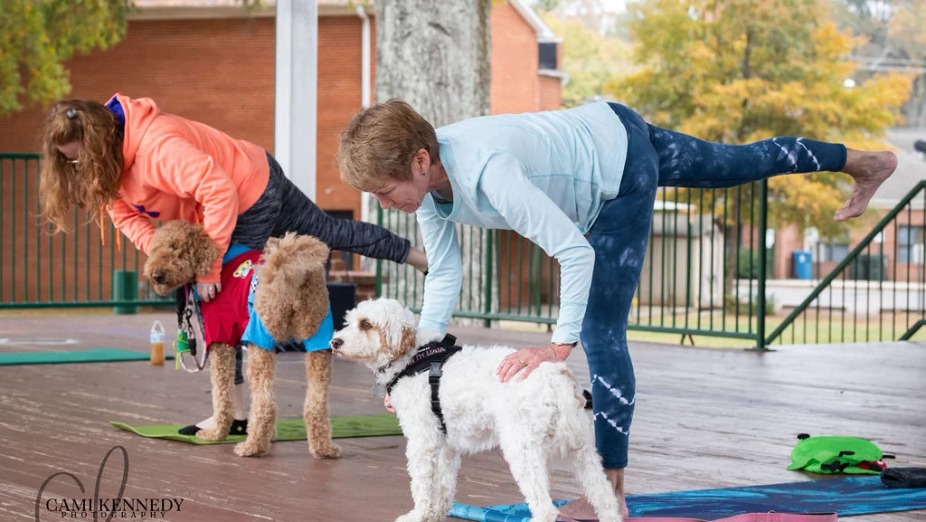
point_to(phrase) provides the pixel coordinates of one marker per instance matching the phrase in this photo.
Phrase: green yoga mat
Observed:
(287, 429)
(76, 356)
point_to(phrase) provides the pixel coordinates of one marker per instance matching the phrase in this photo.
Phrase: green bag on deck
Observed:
(830, 454)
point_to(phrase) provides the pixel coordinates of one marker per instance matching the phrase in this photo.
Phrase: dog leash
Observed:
(189, 331)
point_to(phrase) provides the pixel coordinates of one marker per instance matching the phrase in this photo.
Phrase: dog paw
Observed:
(212, 434)
(325, 451)
(411, 516)
(246, 449)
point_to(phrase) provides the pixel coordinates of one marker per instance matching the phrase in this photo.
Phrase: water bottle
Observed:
(157, 344)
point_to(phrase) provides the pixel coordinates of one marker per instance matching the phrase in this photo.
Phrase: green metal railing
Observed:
(706, 273)
(707, 270)
(83, 268)
(683, 289)
(857, 302)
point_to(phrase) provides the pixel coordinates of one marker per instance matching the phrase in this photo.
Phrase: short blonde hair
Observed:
(380, 142)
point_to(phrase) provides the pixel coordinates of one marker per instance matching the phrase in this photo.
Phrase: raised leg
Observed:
(222, 374)
(869, 170)
(262, 418)
(689, 162)
(315, 411)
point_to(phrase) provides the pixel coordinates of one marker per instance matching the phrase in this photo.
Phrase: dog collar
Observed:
(430, 357)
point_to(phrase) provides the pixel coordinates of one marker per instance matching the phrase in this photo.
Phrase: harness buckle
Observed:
(437, 370)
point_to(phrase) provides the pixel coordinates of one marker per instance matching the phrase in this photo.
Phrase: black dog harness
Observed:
(431, 357)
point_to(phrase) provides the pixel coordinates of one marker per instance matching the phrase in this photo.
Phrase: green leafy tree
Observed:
(736, 71)
(36, 36)
(546, 5)
(589, 58)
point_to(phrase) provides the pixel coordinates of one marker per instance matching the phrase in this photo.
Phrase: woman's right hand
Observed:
(208, 291)
(388, 404)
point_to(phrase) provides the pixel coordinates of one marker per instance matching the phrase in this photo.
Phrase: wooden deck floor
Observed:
(705, 418)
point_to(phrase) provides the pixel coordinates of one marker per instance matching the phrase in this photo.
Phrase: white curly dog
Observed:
(531, 420)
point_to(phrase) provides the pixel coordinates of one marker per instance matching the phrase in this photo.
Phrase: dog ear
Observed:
(196, 250)
(407, 344)
(400, 337)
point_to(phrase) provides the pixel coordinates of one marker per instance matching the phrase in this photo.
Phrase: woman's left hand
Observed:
(525, 361)
(208, 291)
(418, 259)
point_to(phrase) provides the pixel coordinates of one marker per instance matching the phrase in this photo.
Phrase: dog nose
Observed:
(158, 277)
(336, 343)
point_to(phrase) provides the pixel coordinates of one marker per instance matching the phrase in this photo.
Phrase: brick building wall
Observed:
(514, 61)
(220, 71)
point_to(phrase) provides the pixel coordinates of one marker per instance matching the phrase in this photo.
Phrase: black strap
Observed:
(430, 357)
(437, 370)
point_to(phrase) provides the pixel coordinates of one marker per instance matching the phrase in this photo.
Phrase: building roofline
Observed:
(206, 9)
(541, 29)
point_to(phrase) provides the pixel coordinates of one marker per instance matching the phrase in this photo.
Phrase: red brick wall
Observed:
(514, 61)
(551, 93)
(790, 238)
(221, 72)
(339, 94)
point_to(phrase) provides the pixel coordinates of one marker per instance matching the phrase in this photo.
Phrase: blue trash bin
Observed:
(803, 264)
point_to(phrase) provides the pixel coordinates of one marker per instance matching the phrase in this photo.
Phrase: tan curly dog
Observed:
(291, 300)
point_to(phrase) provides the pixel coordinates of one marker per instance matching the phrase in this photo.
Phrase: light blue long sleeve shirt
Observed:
(543, 175)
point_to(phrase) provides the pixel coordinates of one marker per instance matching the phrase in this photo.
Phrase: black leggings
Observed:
(284, 208)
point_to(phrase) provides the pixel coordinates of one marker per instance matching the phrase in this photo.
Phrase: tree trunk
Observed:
(434, 54)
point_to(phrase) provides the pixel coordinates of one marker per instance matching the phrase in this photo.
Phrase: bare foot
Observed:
(580, 509)
(869, 170)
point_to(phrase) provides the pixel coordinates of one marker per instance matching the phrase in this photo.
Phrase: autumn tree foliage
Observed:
(590, 59)
(736, 71)
(36, 37)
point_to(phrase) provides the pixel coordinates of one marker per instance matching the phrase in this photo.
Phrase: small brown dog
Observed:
(291, 300)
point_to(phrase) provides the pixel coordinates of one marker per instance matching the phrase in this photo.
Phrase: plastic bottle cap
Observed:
(157, 332)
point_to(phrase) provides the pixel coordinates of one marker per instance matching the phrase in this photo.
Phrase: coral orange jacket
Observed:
(175, 168)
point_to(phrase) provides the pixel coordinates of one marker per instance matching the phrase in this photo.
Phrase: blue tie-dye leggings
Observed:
(659, 157)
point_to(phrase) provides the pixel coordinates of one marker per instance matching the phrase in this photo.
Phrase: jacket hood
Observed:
(139, 114)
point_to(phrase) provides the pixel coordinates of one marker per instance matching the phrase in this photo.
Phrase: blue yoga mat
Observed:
(844, 495)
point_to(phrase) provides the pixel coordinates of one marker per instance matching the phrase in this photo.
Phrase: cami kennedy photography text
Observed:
(100, 507)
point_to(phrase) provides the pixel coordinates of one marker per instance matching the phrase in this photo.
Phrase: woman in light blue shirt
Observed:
(581, 184)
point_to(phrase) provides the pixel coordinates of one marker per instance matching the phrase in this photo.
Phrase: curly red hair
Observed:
(94, 180)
